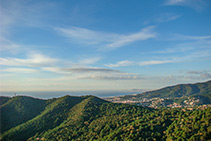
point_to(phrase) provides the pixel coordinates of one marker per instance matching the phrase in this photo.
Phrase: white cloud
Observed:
(121, 64)
(79, 70)
(33, 60)
(161, 18)
(175, 50)
(19, 70)
(89, 61)
(173, 2)
(55, 70)
(118, 76)
(195, 4)
(106, 40)
(192, 76)
(144, 34)
(185, 37)
(144, 63)
(83, 35)
(89, 70)
(94, 73)
(195, 55)
(167, 17)
(191, 44)
(154, 62)
(191, 56)
(202, 75)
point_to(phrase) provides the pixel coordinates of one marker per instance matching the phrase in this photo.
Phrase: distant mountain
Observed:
(202, 90)
(92, 118)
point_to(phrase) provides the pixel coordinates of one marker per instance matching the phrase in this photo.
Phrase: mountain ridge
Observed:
(93, 118)
(202, 90)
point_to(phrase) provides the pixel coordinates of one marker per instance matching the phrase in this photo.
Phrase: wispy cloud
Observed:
(114, 77)
(89, 70)
(94, 73)
(162, 18)
(55, 70)
(86, 36)
(104, 39)
(144, 34)
(8, 46)
(19, 70)
(174, 50)
(79, 70)
(186, 37)
(20, 12)
(173, 2)
(199, 74)
(195, 4)
(121, 64)
(89, 61)
(143, 63)
(191, 56)
(32, 60)
(187, 44)
(82, 62)
(167, 17)
(154, 62)
(193, 75)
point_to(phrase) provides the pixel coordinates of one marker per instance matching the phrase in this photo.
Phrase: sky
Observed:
(76, 45)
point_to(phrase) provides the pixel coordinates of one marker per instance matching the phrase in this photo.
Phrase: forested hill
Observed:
(181, 90)
(91, 118)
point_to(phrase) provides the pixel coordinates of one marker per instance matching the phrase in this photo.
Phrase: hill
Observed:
(18, 110)
(91, 118)
(51, 114)
(177, 93)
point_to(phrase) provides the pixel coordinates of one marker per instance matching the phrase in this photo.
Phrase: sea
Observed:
(56, 94)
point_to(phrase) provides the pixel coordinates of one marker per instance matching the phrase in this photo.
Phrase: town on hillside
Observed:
(180, 102)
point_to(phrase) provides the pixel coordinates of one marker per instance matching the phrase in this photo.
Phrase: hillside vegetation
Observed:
(203, 89)
(183, 95)
(91, 118)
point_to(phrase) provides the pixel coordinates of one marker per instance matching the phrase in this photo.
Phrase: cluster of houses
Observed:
(158, 102)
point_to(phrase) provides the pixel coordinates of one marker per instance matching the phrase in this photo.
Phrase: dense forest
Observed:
(91, 118)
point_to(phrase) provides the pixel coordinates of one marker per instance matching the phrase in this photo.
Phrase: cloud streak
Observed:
(33, 60)
(195, 4)
(7, 45)
(94, 73)
(154, 62)
(144, 34)
(104, 39)
(199, 54)
(121, 64)
(89, 70)
(19, 70)
(143, 63)
(89, 61)
(199, 75)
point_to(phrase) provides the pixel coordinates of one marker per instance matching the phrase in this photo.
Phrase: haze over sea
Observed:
(55, 94)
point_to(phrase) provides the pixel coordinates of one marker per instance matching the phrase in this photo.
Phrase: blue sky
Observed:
(75, 45)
